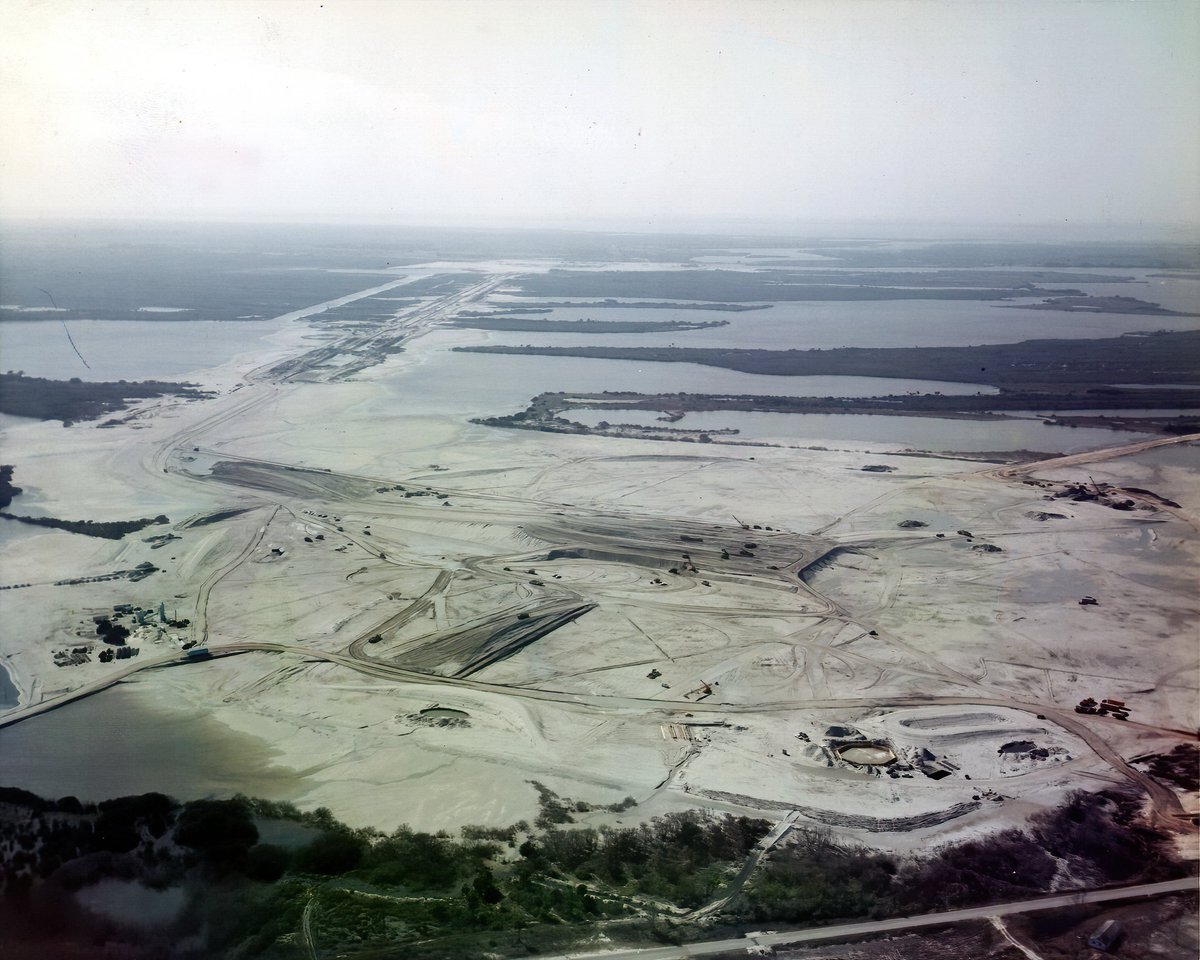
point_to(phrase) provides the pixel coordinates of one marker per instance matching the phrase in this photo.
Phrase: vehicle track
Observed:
(645, 540)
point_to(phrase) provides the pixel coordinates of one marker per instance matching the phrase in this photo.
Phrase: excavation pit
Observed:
(444, 713)
(867, 754)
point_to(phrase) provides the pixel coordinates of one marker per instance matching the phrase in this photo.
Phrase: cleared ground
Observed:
(614, 618)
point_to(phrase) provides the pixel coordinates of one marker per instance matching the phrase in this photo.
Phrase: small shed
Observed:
(1106, 935)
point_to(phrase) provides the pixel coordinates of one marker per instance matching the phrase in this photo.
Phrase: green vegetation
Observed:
(7, 490)
(75, 399)
(1158, 358)
(1130, 305)
(1095, 839)
(336, 891)
(526, 420)
(555, 809)
(549, 412)
(680, 858)
(109, 530)
(1180, 767)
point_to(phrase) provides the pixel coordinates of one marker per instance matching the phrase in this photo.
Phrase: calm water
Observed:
(121, 742)
(476, 384)
(827, 324)
(126, 349)
(143, 349)
(9, 696)
(921, 433)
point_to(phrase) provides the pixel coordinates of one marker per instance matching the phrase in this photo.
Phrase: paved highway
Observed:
(873, 928)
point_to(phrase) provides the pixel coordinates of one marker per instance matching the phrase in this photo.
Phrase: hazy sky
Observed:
(640, 113)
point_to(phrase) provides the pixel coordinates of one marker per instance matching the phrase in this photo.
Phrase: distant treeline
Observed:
(75, 399)
(107, 529)
(1158, 358)
(583, 326)
(926, 404)
(740, 285)
(1054, 255)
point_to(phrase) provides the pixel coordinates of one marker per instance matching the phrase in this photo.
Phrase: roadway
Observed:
(873, 928)
(1089, 456)
(1164, 801)
(644, 538)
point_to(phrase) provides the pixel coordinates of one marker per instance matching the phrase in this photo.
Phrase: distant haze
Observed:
(631, 115)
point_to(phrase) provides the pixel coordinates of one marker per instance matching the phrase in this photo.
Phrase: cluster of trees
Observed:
(817, 878)
(1096, 839)
(7, 490)
(679, 857)
(1180, 767)
(109, 530)
(554, 809)
(75, 399)
(1050, 365)
(52, 833)
(500, 890)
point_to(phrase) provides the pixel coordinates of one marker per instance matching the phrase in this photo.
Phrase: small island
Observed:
(1126, 305)
(545, 306)
(548, 412)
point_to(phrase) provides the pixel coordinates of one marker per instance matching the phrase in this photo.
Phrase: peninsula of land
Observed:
(1159, 358)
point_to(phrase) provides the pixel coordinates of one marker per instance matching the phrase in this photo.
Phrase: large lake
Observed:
(127, 349)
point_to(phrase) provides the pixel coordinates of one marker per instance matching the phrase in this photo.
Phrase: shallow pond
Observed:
(122, 742)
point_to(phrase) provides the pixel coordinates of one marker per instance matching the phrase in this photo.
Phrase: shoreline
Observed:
(306, 448)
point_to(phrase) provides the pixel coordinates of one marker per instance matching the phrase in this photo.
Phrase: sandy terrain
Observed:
(597, 610)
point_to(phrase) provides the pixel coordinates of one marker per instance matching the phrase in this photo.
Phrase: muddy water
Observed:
(121, 742)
